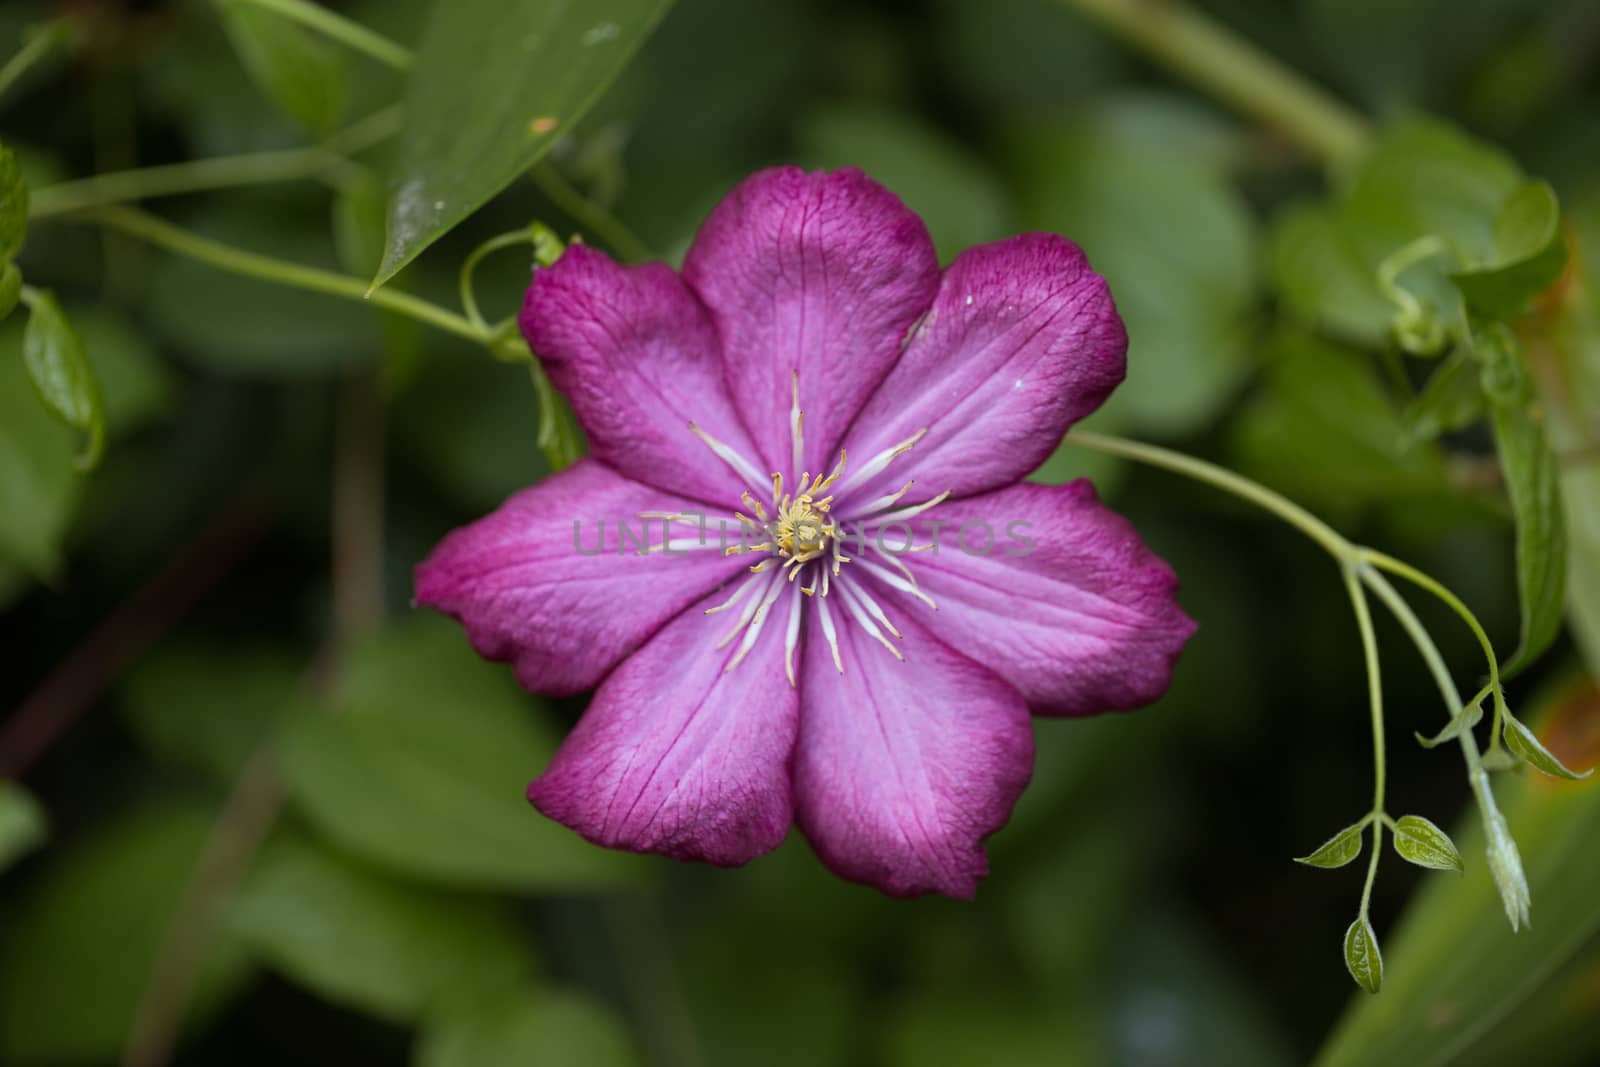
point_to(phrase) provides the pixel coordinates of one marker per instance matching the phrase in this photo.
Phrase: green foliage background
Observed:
(269, 812)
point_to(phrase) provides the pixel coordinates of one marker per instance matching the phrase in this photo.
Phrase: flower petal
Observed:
(1022, 341)
(546, 582)
(820, 274)
(679, 755)
(1055, 593)
(637, 357)
(903, 768)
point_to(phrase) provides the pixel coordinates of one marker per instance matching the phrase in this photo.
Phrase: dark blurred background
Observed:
(279, 461)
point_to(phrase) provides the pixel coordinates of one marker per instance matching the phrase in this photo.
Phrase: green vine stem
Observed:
(1360, 566)
(267, 268)
(1380, 762)
(1504, 861)
(220, 172)
(1236, 72)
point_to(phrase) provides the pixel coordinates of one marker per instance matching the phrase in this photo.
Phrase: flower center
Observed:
(796, 532)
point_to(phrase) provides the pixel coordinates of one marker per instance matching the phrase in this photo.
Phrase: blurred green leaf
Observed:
(962, 202)
(13, 206)
(1338, 850)
(983, 1027)
(1009, 56)
(1421, 842)
(1180, 997)
(473, 425)
(62, 374)
(1532, 476)
(1423, 177)
(544, 1027)
(493, 87)
(1361, 956)
(10, 289)
(422, 763)
(1323, 430)
(1458, 979)
(359, 939)
(206, 707)
(39, 487)
(23, 823)
(1451, 400)
(82, 941)
(240, 326)
(1176, 243)
(1323, 276)
(1530, 252)
(301, 73)
(358, 221)
(137, 386)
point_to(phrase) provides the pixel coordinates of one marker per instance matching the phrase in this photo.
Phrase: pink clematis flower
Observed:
(813, 392)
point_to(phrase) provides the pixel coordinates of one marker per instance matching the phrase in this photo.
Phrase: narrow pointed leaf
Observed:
(1362, 957)
(1338, 850)
(1467, 718)
(1423, 843)
(1525, 744)
(1532, 477)
(1451, 400)
(493, 87)
(61, 372)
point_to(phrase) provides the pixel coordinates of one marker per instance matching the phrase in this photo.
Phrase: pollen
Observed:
(791, 528)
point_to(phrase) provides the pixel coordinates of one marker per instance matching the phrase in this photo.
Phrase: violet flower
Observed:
(813, 386)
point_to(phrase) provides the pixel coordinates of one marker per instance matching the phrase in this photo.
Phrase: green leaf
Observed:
(962, 201)
(1461, 986)
(1323, 430)
(494, 85)
(1452, 399)
(527, 1027)
(1422, 179)
(1177, 244)
(81, 943)
(1427, 177)
(1525, 744)
(1322, 275)
(39, 487)
(1532, 476)
(1423, 843)
(1361, 955)
(61, 373)
(1530, 254)
(358, 939)
(1465, 719)
(304, 75)
(422, 767)
(23, 824)
(13, 207)
(1338, 850)
(206, 707)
